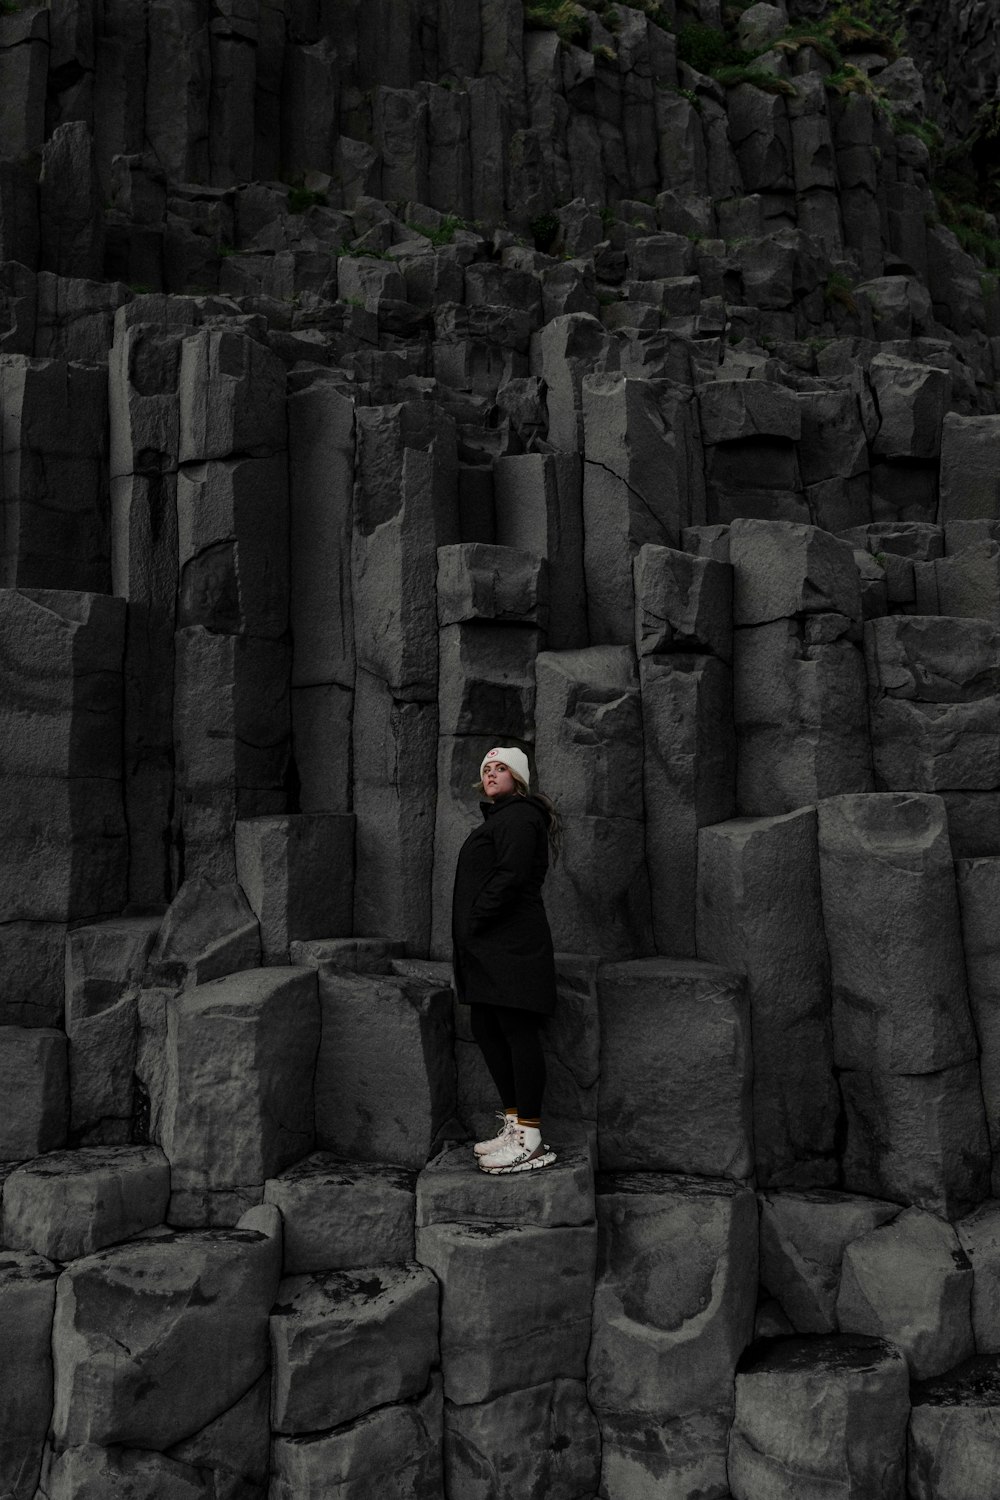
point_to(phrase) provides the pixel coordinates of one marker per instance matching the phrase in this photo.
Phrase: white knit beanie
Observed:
(515, 760)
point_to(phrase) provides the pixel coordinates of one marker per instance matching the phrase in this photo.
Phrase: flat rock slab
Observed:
(910, 1282)
(338, 1214)
(506, 1320)
(453, 1189)
(820, 1417)
(155, 1338)
(954, 1448)
(376, 1326)
(541, 1441)
(27, 1303)
(803, 1236)
(71, 1203)
(393, 1451)
(676, 1069)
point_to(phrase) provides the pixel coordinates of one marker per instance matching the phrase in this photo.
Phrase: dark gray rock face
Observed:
(379, 384)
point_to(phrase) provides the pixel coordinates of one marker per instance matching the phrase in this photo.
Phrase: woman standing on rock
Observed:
(504, 966)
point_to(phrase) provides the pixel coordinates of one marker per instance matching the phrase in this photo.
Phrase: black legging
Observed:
(510, 1043)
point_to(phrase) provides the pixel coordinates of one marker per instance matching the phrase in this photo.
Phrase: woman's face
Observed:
(497, 780)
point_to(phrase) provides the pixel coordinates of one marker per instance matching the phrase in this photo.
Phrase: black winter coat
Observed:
(502, 946)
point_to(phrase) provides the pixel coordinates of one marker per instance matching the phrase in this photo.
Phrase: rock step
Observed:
(376, 1326)
(71, 1203)
(338, 1215)
(820, 1417)
(954, 1447)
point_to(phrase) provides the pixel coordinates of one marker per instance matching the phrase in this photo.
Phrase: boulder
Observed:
(952, 1435)
(34, 1093)
(918, 1139)
(803, 1236)
(899, 998)
(760, 914)
(297, 872)
(237, 1107)
(818, 1416)
(543, 1440)
(506, 1321)
(673, 1310)
(910, 1282)
(155, 1338)
(378, 1326)
(338, 1215)
(782, 569)
(385, 1079)
(27, 1301)
(71, 1203)
(394, 1449)
(676, 1069)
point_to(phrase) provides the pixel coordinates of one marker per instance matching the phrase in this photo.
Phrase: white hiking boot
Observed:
(522, 1151)
(507, 1123)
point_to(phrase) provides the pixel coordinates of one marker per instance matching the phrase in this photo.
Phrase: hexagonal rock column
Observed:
(377, 1326)
(759, 913)
(816, 1417)
(934, 690)
(34, 1091)
(70, 1203)
(673, 1310)
(676, 1069)
(396, 1449)
(539, 510)
(338, 1215)
(385, 1078)
(515, 1303)
(978, 897)
(902, 1028)
(31, 973)
(799, 682)
(104, 966)
(27, 1301)
(156, 1337)
(298, 875)
(239, 1057)
(638, 486)
(970, 458)
(544, 1440)
(589, 753)
(63, 830)
(803, 1237)
(979, 1235)
(953, 1447)
(910, 1282)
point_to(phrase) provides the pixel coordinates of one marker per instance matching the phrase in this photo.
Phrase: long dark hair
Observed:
(552, 816)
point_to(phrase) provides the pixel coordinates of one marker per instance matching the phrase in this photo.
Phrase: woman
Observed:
(504, 966)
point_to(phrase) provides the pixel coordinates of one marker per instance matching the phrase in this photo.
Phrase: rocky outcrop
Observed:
(380, 383)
